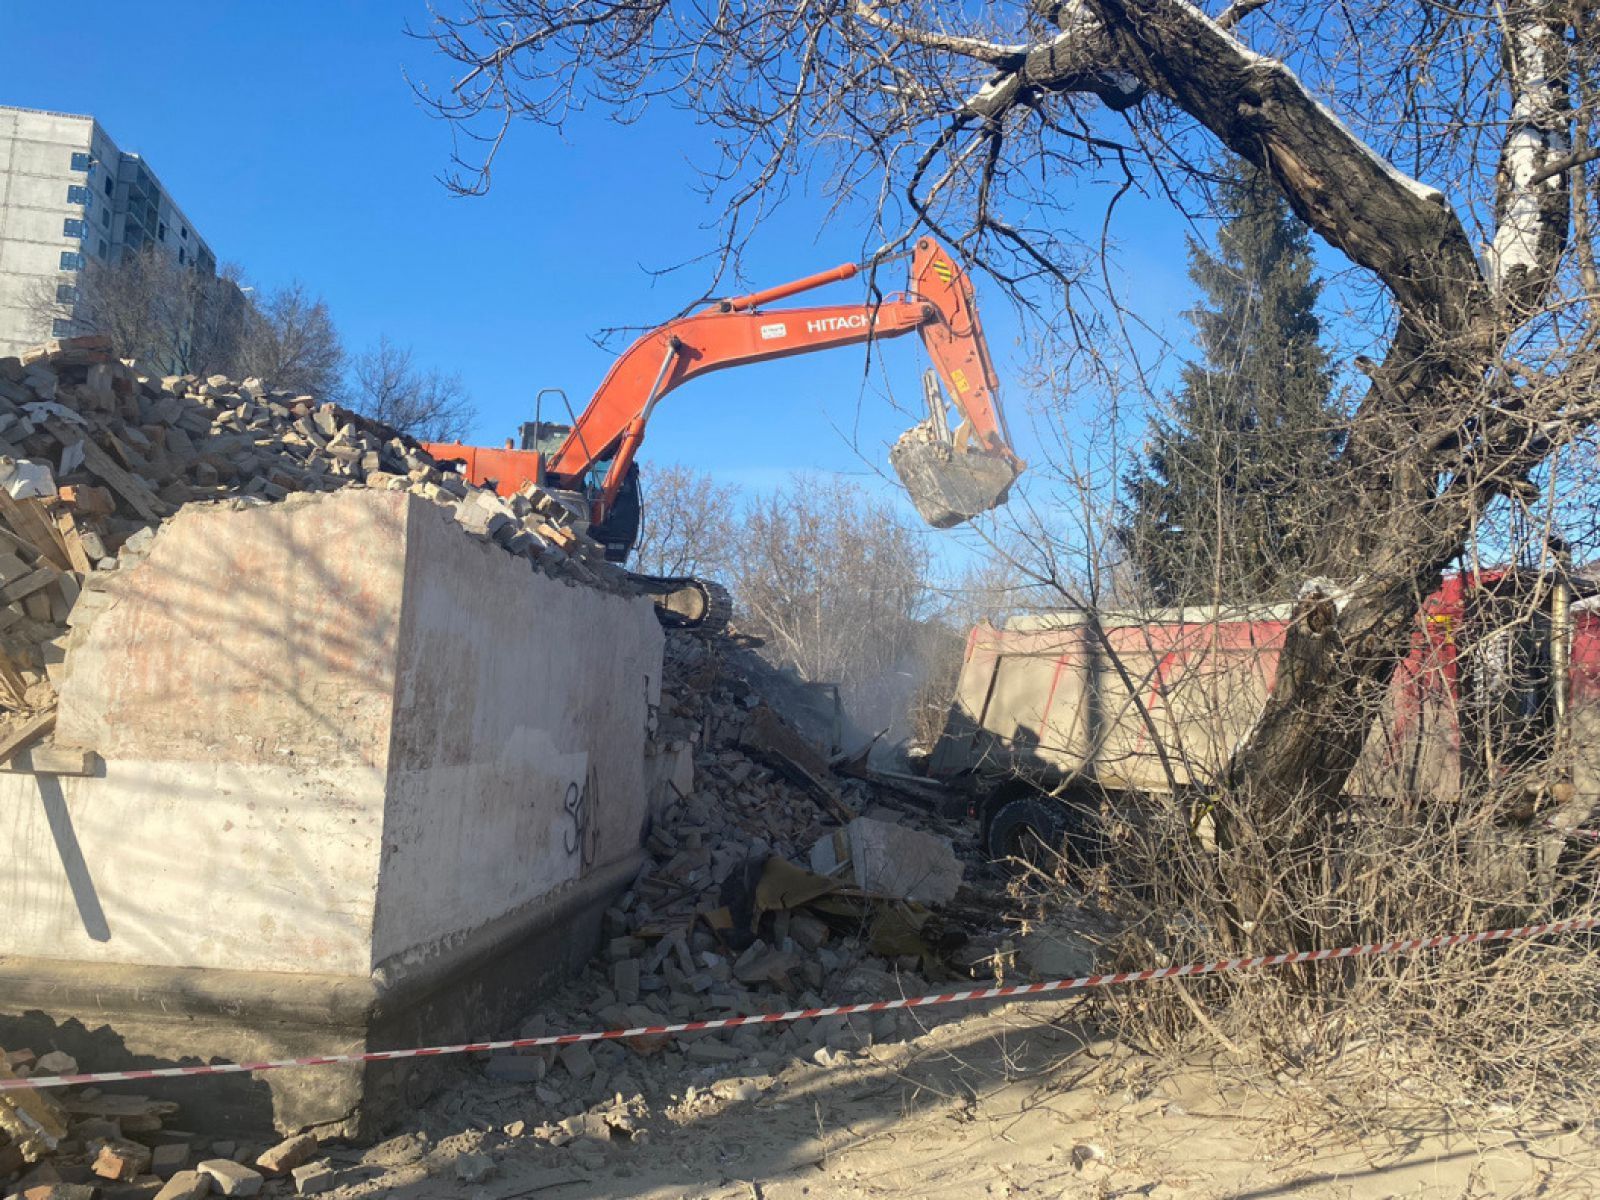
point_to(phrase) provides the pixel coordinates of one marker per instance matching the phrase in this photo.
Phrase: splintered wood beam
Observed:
(19, 737)
(51, 759)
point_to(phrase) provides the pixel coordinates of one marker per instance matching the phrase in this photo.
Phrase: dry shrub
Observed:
(1487, 1028)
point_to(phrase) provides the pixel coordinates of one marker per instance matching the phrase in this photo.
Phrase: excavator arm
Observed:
(951, 476)
(731, 333)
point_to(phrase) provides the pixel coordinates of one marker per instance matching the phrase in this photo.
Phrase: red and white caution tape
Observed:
(1577, 835)
(1404, 946)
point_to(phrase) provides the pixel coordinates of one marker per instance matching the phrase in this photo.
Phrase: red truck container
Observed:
(1053, 713)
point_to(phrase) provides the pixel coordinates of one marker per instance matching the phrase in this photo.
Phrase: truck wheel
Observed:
(1041, 830)
(1029, 828)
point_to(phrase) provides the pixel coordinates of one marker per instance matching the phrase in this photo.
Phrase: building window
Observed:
(105, 217)
(111, 186)
(78, 194)
(103, 250)
(74, 228)
(66, 293)
(71, 260)
(161, 231)
(181, 253)
(80, 161)
(184, 233)
(61, 327)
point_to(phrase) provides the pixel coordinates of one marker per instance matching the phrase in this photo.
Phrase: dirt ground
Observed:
(1018, 1101)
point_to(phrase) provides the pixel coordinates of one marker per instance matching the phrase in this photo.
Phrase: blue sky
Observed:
(290, 135)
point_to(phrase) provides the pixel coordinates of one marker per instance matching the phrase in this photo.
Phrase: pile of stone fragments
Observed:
(750, 903)
(94, 454)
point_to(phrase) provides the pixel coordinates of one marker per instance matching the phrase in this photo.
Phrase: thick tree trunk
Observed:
(1423, 457)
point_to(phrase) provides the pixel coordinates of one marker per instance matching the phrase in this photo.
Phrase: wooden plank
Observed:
(12, 568)
(116, 1106)
(20, 736)
(28, 523)
(11, 682)
(12, 544)
(30, 583)
(49, 759)
(45, 514)
(78, 556)
(145, 502)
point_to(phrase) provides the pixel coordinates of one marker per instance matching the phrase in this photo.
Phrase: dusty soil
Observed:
(1013, 1101)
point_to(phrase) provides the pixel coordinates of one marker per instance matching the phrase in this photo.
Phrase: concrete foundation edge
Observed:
(156, 1017)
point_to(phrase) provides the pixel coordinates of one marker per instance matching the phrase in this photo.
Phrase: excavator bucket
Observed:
(949, 484)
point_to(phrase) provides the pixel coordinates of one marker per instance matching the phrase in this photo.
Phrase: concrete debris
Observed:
(94, 454)
(517, 1068)
(55, 1063)
(61, 1191)
(121, 1160)
(720, 920)
(474, 1168)
(1051, 953)
(889, 859)
(185, 1185)
(700, 933)
(169, 1159)
(313, 1179)
(229, 1178)
(32, 1123)
(287, 1155)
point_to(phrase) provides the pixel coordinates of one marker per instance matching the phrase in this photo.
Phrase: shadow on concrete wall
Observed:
(76, 869)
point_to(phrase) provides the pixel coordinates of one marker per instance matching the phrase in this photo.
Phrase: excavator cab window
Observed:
(620, 530)
(544, 436)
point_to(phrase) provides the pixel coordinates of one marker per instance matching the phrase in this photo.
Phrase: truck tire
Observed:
(1037, 829)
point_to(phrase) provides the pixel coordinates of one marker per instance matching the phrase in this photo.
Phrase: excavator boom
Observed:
(939, 306)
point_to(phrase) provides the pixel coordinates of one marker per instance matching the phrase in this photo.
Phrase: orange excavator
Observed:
(951, 475)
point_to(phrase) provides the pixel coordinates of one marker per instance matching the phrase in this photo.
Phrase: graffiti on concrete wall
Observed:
(581, 807)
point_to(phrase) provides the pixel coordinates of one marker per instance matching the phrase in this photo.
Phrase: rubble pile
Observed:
(724, 919)
(94, 454)
(89, 1145)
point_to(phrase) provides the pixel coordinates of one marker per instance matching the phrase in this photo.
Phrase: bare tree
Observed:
(164, 313)
(838, 588)
(291, 343)
(689, 523)
(427, 404)
(977, 120)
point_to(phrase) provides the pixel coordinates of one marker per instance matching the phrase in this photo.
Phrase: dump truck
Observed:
(1060, 716)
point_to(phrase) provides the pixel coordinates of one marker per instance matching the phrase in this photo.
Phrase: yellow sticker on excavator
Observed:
(943, 270)
(959, 378)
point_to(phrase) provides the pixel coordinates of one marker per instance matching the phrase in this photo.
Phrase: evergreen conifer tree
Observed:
(1222, 506)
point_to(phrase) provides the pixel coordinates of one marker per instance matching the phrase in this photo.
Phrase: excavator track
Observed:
(684, 602)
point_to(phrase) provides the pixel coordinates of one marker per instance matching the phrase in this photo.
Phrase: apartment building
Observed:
(69, 197)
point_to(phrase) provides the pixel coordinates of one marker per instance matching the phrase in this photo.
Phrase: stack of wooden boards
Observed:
(94, 453)
(47, 548)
